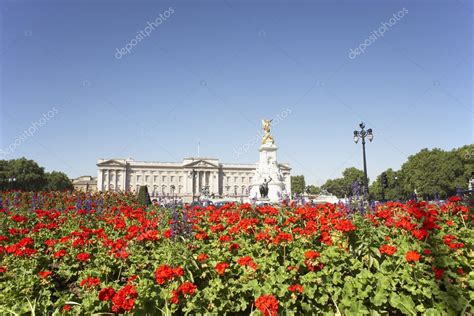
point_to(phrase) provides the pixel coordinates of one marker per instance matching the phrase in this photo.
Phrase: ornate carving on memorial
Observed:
(267, 138)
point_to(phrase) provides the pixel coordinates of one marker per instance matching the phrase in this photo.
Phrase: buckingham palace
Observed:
(186, 179)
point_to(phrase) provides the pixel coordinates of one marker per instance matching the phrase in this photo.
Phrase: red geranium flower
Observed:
(167, 233)
(454, 199)
(221, 267)
(419, 234)
(3, 269)
(388, 250)
(187, 288)
(345, 225)
(66, 308)
(106, 293)
(311, 254)
(165, 273)
(438, 273)
(202, 257)
(174, 297)
(267, 304)
(44, 274)
(124, 299)
(412, 256)
(83, 257)
(59, 254)
(295, 288)
(247, 261)
(90, 282)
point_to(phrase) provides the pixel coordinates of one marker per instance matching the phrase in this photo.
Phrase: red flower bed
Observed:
(82, 254)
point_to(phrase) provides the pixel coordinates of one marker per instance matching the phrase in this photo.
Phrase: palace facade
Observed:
(187, 179)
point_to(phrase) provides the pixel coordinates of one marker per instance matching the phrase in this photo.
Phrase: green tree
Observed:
(336, 187)
(466, 153)
(58, 181)
(392, 192)
(298, 184)
(312, 189)
(22, 174)
(433, 171)
(143, 196)
(342, 187)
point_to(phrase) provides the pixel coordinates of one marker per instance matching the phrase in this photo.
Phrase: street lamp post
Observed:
(362, 134)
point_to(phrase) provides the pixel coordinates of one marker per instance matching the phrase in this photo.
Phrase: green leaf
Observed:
(432, 312)
(403, 303)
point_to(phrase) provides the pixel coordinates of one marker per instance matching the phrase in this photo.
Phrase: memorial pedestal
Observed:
(268, 170)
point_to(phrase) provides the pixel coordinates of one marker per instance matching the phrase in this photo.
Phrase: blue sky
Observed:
(212, 69)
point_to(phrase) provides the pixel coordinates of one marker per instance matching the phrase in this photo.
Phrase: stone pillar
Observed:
(106, 180)
(199, 181)
(211, 182)
(99, 180)
(124, 180)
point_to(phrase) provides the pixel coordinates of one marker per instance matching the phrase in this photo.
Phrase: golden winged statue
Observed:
(267, 138)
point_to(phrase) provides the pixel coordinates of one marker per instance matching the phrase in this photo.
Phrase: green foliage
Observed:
(143, 196)
(312, 189)
(428, 172)
(393, 191)
(433, 171)
(342, 187)
(26, 175)
(58, 181)
(298, 184)
(22, 174)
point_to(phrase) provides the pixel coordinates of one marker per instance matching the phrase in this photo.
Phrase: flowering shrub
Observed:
(108, 255)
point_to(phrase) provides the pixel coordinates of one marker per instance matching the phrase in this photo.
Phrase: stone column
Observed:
(116, 181)
(99, 180)
(211, 182)
(198, 189)
(106, 180)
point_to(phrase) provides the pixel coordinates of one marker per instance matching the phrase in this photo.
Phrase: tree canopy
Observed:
(342, 187)
(58, 181)
(393, 190)
(430, 173)
(298, 184)
(435, 171)
(27, 175)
